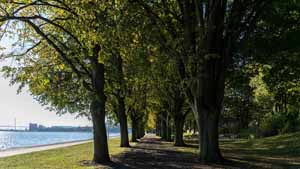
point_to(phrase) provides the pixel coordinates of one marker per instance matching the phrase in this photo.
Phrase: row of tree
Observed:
(149, 61)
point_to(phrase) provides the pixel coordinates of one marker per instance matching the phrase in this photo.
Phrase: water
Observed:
(10, 140)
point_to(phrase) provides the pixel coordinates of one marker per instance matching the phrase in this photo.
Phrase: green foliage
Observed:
(279, 123)
(164, 58)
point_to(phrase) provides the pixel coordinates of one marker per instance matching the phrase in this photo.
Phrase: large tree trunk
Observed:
(169, 129)
(207, 108)
(179, 123)
(206, 90)
(97, 108)
(123, 123)
(179, 116)
(141, 129)
(101, 154)
(121, 104)
(164, 129)
(157, 126)
(209, 137)
(134, 126)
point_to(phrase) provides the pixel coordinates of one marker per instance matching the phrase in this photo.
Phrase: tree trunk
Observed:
(194, 127)
(209, 137)
(163, 128)
(206, 91)
(97, 109)
(123, 123)
(179, 123)
(134, 129)
(101, 154)
(157, 131)
(121, 104)
(169, 129)
(141, 129)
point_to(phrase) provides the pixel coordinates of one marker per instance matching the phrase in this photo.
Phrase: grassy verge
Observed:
(62, 158)
(282, 151)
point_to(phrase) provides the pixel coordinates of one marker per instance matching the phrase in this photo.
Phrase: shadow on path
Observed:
(152, 153)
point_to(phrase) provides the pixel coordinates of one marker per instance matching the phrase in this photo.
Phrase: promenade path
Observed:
(152, 153)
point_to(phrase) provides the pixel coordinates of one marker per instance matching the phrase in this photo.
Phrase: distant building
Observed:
(41, 127)
(33, 127)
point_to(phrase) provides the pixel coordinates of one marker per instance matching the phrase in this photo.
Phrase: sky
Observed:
(24, 108)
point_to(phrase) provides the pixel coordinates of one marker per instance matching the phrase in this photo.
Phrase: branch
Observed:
(28, 18)
(29, 49)
(4, 31)
(43, 3)
(155, 17)
(187, 112)
(51, 43)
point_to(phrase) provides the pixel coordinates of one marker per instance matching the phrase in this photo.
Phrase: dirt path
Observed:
(152, 153)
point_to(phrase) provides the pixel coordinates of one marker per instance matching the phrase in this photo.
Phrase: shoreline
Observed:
(29, 149)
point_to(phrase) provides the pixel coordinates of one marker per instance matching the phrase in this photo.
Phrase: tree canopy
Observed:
(153, 62)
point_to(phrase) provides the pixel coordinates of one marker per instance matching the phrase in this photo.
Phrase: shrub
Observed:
(279, 123)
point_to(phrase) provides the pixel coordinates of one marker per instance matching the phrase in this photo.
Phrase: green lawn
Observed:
(63, 158)
(282, 151)
(273, 152)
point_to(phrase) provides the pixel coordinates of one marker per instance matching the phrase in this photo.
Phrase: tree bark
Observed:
(101, 154)
(157, 126)
(169, 129)
(121, 104)
(206, 92)
(97, 109)
(123, 123)
(164, 126)
(179, 123)
(209, 137)
(134, 129)
(141, 129)
(134, 126)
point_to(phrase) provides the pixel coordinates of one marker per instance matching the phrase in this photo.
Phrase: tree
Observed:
(52, 23)
(172, 101)
(200, 35)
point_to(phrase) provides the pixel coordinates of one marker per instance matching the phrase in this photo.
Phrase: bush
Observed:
(249, 133)
(279, 123)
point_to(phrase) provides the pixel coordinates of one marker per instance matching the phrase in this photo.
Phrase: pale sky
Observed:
(25, 109)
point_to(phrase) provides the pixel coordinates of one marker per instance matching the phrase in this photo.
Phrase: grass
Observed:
(273, 152)
(62, 158)
(282, 151)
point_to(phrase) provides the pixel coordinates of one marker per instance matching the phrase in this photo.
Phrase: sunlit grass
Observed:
(282, 151)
